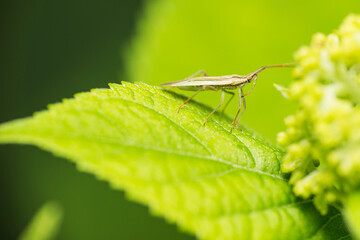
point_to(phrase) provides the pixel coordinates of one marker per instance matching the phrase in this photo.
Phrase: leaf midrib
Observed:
(106, 141)
(202, 144)
(180, 153)
(178, 126)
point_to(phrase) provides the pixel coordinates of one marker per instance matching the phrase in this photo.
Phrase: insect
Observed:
(223, 83)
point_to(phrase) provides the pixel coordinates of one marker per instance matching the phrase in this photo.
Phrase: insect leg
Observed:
(200, 89)
(255, 78)
(232, 96)
(201, 72)
(244, 104)
(221, 103)
(240, 97)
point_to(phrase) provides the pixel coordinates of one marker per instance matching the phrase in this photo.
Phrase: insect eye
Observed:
(253, 77)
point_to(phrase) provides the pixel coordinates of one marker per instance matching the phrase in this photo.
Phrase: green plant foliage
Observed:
(212, 183)
(352, 213)
(45, 224)
(322, 138)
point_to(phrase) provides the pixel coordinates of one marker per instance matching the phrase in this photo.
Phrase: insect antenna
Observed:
(251, 75)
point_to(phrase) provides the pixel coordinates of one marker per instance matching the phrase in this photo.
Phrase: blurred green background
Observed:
(53, 49)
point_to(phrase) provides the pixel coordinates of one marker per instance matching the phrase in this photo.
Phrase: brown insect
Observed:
(223, 83)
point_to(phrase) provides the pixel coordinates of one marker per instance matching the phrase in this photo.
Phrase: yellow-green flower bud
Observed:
(322, 138)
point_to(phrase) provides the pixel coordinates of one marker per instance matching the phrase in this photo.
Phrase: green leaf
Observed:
(212, 183)
(45, 224)
(352, 213)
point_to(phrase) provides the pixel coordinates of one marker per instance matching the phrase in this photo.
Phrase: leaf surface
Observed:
(212, 183)
(352, 213)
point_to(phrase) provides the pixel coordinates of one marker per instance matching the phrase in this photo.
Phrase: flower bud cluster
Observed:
(322, 138)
